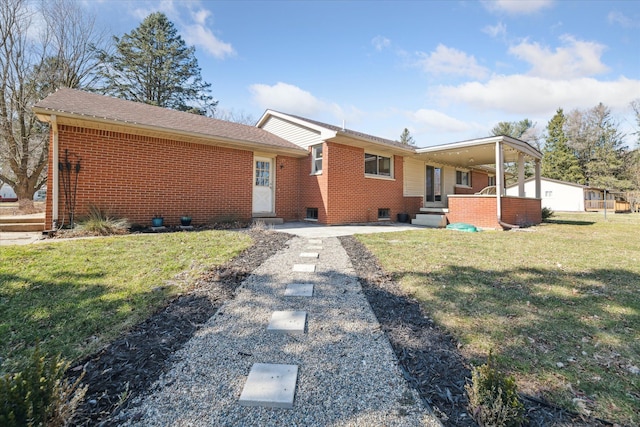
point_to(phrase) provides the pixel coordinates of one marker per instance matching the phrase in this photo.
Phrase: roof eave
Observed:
(44, 115)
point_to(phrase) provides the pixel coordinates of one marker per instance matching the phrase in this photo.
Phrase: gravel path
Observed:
(348, 374)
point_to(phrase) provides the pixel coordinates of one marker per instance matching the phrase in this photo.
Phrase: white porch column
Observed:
(521, 175)
(55, 193)
(538, 182)
(499, 178)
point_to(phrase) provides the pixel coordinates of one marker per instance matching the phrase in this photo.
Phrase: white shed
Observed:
(556, 195)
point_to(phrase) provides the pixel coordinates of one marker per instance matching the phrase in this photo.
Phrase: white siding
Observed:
(296, 134)
(555, 195)
(449, 176)
(414, 178)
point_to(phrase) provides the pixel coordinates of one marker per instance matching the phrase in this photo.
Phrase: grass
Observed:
(75, 296)
(559, 304)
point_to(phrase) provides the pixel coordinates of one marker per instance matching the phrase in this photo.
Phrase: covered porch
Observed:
(465, 182)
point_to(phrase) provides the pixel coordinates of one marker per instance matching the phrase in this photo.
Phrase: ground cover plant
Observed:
(75, 296)
(558, 304)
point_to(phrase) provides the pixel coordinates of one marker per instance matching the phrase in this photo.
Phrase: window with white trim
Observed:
(384, 213)
(316, 159)
(548, 193)
(492, 180)
(377, 165)
(463, 178)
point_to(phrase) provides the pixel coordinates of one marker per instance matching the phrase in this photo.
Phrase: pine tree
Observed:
(558, 161)
(153, 65)
(406, 138)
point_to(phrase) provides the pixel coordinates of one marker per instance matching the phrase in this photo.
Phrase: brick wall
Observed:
(354, 197)
(287, 194)
(312, 189)
(137, 176)
(479, 211)
(521, 211)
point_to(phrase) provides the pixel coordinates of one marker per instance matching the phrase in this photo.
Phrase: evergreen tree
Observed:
(153, 65)
(594, 137)
(558, 161)
(406, 138)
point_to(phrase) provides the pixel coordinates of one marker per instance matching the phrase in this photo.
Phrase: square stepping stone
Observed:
(314, 241)
(305, 268)
(299, 290)
(271, 385)
(314, 248)
(288, 321)
(309, 255)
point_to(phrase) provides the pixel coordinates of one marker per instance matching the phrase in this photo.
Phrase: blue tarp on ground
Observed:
(461, 226)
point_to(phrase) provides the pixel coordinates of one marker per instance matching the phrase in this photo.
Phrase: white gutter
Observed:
(56, 177)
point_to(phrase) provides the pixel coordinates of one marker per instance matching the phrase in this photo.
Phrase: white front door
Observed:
(263, 184)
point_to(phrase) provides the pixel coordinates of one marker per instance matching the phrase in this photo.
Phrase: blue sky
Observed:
(446, 70)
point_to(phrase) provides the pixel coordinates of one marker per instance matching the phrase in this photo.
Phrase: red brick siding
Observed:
(287, 194)
(521, 211)
(137, 176)
(479, 180)
(312, 189)
(354, 197)
(479, 211)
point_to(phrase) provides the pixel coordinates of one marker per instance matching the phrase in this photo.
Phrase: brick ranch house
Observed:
(138, 161)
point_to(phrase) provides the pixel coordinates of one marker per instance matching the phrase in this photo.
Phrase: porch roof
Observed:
(477, 152)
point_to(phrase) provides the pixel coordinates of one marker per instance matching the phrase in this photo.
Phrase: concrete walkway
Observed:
(298, 345)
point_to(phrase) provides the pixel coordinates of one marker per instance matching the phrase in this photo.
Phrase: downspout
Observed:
(56, 177)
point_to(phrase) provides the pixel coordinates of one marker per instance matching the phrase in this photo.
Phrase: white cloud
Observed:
(517, 7)
(437, 121)
(498, 30)
(192, 25)
(576, 58)
(199, 34)
(446, 60)
(529, 95)
(291, 99)
(618, 18)
(380, 43)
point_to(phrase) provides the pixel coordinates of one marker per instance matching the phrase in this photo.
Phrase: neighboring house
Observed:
(7, 194)
(571, 197)
(139, 160)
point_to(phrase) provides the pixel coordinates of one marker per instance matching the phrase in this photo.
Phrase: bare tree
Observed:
(41, 49)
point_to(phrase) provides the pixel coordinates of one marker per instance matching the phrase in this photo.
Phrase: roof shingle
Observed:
(77, 102)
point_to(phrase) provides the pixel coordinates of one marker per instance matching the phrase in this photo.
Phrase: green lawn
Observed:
(75, 296)
(559, 304)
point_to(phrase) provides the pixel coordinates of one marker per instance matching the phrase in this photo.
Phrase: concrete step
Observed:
(430, 220)
(434, 210)
(268, 220)
(21, 219)
(22, 226)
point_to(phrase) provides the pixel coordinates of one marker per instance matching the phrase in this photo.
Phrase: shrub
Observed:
(38, 395)
(100, 222)
(547, 213)
(493, 397)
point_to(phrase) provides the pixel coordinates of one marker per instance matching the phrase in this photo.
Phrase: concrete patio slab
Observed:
(270, 385)
(299, 290)
(318, 231)
(304, 268)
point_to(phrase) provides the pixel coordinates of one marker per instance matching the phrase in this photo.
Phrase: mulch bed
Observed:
(428, 356)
